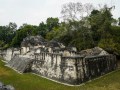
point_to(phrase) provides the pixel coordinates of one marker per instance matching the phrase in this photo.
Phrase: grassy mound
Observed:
(29, 81)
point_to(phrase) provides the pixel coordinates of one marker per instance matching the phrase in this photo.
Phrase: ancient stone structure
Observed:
(55, 61)
(20, 63)
(71, 68)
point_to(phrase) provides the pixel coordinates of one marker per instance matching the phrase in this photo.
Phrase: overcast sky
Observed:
(35, 11)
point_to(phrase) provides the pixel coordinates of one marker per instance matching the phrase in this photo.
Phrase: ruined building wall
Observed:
(55, 61)
(62, 65)
(9, 53)
(47, 64)
(72, 69)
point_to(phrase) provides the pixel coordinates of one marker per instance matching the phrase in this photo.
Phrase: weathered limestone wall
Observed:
(75, 69)
(100, 65)
(20, 63)
(64, 66)
(9, 53)
(55, 67)
(24, 50)
(69, 71)
(72, 69)
(48, 65)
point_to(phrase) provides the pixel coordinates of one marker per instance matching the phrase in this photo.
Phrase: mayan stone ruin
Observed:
(53, 60)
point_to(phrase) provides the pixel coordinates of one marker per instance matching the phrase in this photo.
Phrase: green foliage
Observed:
(57, 32)
(119, 21)
(51, 23)
(24, 31)
(5, 46)
(100, 22)
(1, 44)
(7, 33)
(115, 31)
(42, 29)
(52, 28)
(107, 44)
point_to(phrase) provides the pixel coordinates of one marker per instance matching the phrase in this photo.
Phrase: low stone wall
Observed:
(9, 53)
(48, 65)
(100, 65)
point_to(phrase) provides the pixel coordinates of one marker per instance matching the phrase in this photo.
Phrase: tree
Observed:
(115, 31)
(12, 26)
(88, 7)
(76, 11)
(119, 21)
(22, 32)
(42, 29)
(100, 22)
(51, 23)
(52, 28)
(72, 11)
(77, 26)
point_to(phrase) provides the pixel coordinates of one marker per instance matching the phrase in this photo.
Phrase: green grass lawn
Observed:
(29, 81)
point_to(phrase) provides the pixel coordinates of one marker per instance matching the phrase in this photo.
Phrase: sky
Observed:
(35, 11)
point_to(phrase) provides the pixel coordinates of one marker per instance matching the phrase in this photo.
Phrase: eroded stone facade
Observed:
(55, 61)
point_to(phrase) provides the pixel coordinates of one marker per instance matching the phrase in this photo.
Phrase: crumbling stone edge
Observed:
(79, 84)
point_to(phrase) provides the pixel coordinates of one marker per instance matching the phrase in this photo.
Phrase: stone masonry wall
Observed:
(72, 69)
